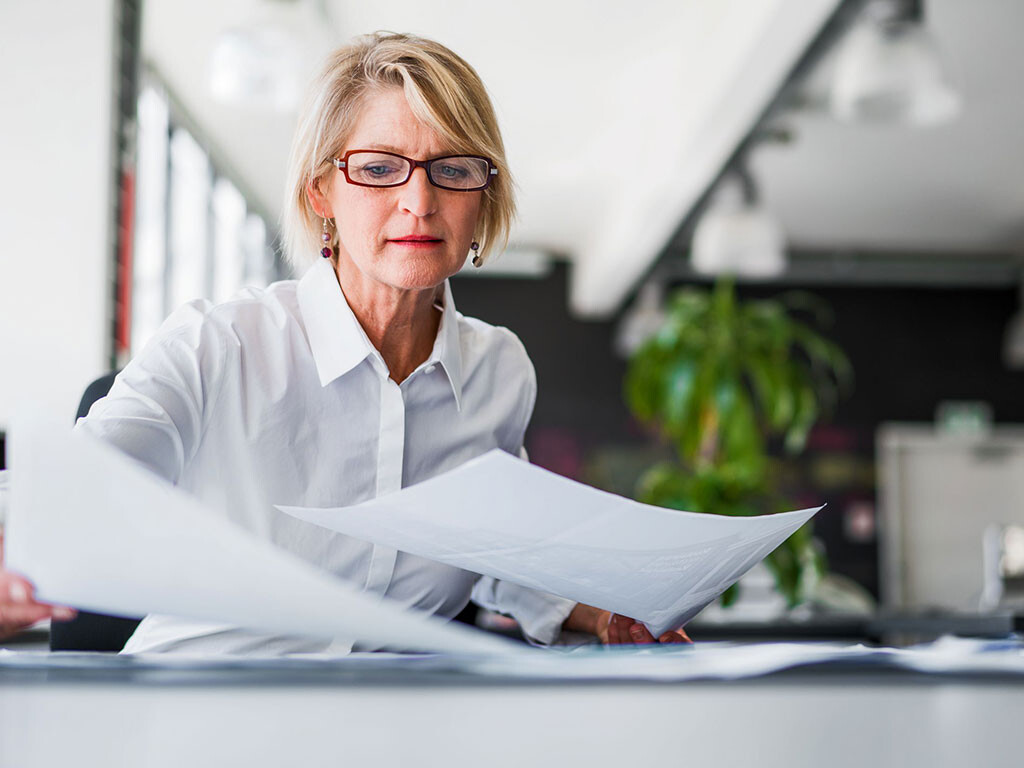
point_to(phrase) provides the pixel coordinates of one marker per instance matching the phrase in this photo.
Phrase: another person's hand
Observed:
(18, 607)
(615, 629)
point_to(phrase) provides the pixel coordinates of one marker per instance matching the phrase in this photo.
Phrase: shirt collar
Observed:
(339, 343)
(448, 348)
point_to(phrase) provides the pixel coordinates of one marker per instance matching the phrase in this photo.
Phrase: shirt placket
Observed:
(390, 452)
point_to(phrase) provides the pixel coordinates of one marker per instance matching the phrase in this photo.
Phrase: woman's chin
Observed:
(416, 273)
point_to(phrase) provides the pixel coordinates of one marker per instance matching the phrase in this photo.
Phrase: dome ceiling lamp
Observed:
(736, 235)
(1013, 340)
(888, 70)
(263, 61)
(642, 319)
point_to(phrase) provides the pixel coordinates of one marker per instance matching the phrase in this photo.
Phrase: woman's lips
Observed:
(417, 242)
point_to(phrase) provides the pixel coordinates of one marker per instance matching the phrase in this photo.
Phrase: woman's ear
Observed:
(318, 199)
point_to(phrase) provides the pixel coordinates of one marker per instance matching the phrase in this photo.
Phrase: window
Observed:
(196, 235)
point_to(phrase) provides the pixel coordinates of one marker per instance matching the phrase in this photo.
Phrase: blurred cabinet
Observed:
(937, 495)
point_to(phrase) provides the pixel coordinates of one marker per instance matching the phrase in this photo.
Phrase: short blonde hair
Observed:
(443, 91)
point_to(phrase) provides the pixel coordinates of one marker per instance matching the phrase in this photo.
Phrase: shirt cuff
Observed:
(540, 614)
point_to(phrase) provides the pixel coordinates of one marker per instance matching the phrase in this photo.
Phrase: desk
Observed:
(184, 717)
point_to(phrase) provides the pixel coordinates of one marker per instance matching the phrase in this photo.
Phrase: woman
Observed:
(360, 378)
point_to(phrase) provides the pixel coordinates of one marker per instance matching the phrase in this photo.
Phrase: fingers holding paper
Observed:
(623, 629)
(615, 629)
(675, 636)
(18, 607)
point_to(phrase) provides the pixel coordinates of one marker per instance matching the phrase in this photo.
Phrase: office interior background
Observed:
(656, 146)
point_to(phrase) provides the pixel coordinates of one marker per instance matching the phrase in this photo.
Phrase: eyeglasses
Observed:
(462, 173)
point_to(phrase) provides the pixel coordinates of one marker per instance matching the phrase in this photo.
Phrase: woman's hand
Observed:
(615, 629)
(18, 608)
(618, 629)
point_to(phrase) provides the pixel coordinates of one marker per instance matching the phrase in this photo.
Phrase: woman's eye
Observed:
(452, 171)
(377, 170)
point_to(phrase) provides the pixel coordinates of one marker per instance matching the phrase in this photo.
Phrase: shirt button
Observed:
(430, 368)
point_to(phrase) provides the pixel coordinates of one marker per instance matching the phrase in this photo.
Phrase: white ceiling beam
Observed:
(764, 41)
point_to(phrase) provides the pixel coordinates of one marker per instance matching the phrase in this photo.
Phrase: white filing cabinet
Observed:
(937, 495)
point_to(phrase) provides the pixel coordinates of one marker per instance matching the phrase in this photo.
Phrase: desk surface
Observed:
(88, 714)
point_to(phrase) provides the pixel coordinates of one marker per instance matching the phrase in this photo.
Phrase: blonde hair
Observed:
(443, 91)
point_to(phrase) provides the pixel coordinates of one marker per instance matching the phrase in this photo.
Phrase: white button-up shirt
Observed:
(278, 397)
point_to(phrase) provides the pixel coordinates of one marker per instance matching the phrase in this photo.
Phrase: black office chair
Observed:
(92, 631)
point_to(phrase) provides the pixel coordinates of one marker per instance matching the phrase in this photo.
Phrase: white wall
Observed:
(56, 113)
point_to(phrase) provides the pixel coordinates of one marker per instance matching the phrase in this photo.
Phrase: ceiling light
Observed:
(257, 65)
(642, 320)
(738, 236)
(1013, 341)
(888, 69)
(517, 261)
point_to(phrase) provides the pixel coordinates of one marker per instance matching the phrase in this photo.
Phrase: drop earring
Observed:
(327, 251)
(474, 247)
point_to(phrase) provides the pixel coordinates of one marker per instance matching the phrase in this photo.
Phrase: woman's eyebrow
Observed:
(385, 147)
(397, 151)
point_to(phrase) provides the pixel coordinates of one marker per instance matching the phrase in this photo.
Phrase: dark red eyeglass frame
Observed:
(342, 165)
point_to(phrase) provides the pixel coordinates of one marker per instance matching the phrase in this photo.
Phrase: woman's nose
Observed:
(418, 195)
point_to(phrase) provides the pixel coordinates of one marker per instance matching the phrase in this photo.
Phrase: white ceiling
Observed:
(953, 188)
(586, 93)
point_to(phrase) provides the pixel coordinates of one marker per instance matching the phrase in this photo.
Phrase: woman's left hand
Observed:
(615, 629)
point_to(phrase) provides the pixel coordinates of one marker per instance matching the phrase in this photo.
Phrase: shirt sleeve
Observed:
(540, 614)
(157, 407)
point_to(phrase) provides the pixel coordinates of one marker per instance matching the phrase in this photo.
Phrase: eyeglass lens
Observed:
(383, 170)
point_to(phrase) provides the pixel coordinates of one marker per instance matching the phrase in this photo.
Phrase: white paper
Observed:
(663, 663)
(960, 655)
(503, 517)
(94, 530)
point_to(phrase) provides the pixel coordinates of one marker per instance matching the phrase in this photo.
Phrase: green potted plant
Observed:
(720, 381)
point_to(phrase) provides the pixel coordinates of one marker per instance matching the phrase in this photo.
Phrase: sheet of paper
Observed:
(503, 517)
(961, 655)
(94, 530)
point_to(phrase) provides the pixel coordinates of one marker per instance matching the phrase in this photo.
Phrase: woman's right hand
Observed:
(18, 607)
